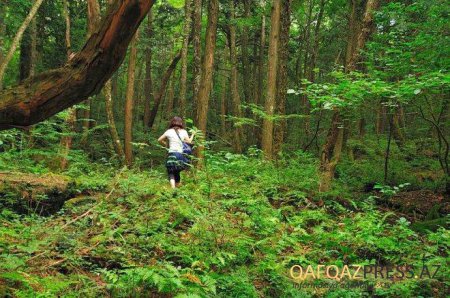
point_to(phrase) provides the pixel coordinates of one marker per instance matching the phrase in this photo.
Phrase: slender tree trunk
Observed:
(248, 82)
(2, 34)
(223, 105)
(282, 76)
(148, 83)
(111, 122)
(261, 59)
(184, 52)
(207, 70)
(162, 88)
(16, 41)
(236, 99)
(67, 139)
(269, 106)
(129, 103)
(170, 97)
(93, 13)
(331, 151)
(197, 63)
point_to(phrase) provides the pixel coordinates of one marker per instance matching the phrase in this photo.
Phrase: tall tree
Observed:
(236, 98)
(196, 36)
(109, 108)
(148, 82)
(129, 103)
(207, 69)
(67, 139)
(16, 41)
(359, 34)
(93, 21)
(269, 106)
(282, 76)
(184, 52)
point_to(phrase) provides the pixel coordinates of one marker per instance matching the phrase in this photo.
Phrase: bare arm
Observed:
(163, 140)
(190, 139)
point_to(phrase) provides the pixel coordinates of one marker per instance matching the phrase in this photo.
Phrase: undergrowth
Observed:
(234, 229)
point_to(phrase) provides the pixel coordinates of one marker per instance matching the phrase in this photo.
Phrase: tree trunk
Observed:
(111, 122)
(184, 52)
(162, 89)
(148, 83)
(67, 139)
(223, 106)
(42, 96)
(2, 36)
(261, 59)
(331, 151)
(93, 13)
(169, 98)
(269, 106)
(16, 41)
(129, 103)
(236, 99)
(248, 82)
(207, 70)
(197, 63)
(282, 76)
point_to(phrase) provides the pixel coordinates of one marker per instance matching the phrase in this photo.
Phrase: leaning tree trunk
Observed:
(44, 95)
(162, 89)
(16, 41)
(129, 103)
(207, 71)
(269, 106)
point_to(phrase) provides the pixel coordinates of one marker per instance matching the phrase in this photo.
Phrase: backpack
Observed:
(187, 148)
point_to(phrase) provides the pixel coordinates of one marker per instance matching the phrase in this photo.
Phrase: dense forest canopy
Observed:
(313, 120)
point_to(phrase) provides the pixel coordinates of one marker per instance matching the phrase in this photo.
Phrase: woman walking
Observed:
(174, 138)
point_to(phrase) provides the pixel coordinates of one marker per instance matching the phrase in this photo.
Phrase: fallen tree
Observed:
(48, 93)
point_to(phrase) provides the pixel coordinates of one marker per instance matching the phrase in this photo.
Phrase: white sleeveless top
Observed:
(175, 144)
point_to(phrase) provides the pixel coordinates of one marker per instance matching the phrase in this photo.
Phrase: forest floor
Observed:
(234, 229)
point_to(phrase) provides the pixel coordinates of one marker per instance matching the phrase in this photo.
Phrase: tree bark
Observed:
(331, 151)
(111, 122)
(2, 34)
(129, 104)
(282, 76)
(148, 83)
(236, 99)
(93, 13)
(184, 52)
(67, 139)
(207, 71)
(269, 106)
(196, 36)
(42, 96)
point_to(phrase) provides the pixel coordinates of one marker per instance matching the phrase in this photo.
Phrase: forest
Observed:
(224, 148)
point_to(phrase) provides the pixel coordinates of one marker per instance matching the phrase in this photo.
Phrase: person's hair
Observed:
(176, 122)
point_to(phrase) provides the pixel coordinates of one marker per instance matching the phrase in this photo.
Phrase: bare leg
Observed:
(172, 182)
